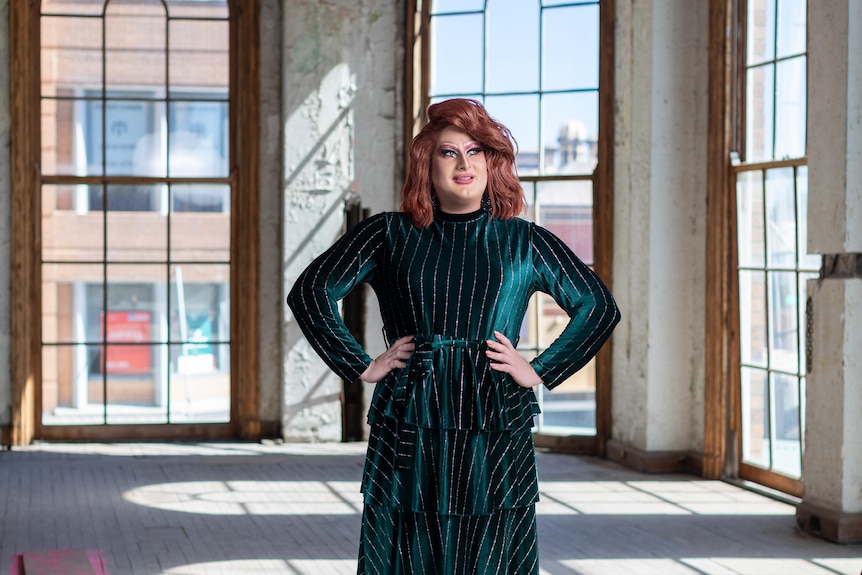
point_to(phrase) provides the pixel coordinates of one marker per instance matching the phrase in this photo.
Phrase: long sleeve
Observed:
(582, 295)
(351, 260)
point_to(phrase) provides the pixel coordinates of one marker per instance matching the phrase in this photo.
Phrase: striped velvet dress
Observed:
(450, 481)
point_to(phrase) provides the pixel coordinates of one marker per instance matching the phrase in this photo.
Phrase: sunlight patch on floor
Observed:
(268, 567)
(654, 498)
(706, 566)
(252, 497)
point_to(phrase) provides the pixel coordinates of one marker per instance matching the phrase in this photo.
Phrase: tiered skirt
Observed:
(450, 481)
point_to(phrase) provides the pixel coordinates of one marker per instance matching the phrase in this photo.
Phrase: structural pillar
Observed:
(832, 460)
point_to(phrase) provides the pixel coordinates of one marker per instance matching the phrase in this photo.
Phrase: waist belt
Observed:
(436, 341)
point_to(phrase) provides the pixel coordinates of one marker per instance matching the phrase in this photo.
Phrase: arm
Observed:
(352, 259)
(579, 291)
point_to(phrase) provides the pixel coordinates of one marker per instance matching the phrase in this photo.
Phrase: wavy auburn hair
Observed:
(504, 189)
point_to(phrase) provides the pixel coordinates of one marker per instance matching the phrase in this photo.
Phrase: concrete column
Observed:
(660, 160)
(832, 461)
(339, 115)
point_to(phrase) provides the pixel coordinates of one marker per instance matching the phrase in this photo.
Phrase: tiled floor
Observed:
(235, 508)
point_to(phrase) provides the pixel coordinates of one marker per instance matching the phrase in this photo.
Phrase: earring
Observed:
(487, 206)
(435, 204)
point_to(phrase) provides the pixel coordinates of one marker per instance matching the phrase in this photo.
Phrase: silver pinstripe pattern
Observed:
(450, 481)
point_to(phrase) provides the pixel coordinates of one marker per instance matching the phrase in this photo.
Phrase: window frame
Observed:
(723, 433)
(25, 48)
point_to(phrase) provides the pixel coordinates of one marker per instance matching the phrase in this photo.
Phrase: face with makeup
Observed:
(459, 172)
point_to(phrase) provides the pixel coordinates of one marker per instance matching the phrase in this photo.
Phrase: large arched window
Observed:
(543, 68)
(133, 213)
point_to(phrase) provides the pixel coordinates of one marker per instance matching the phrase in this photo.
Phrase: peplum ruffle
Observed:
(449, 435)
(448, 384)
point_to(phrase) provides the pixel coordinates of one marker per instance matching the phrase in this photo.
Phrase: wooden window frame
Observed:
(417, 81)
(25, 424)
(722, 451)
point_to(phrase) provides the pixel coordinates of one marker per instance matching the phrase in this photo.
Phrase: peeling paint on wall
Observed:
(331, 79)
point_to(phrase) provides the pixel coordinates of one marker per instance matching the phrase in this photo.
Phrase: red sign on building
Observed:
(129, 327)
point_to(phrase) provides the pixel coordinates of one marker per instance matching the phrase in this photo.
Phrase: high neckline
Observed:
(468, 217)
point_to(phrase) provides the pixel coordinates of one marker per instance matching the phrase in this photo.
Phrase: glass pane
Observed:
(135, 45)
(570, 129)
(571, 406)
(552, 320)
(70, 230)
(792, 23)
(783, 322)
(752, 317)
(570, 48)
(79, 7)
(790, 115)
(68, 292)
(529, 336)
(530, 193)
(199, 304)
(566, 209)
(759, 113)
(806, 261)
(71, 376)
(131, 198)
(457, 65)
(134, 137)
(780, 219)
(477, 97)
(198, 60)
(71, 138)
(198, 8)
(787, 449)
(521, 115)
(443, 6)
(200, 198)
(749, 219)
(137, 228)
(133, 323)
(200, 383)
(561, 2)
(136, 374)
(513, 47)
(199, 138)
(138, 289)
(71, 55)
(761, 31)
(755, 417)
(200, 223)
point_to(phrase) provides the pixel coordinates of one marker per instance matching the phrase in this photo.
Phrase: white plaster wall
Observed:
(339, 117)
(851, 496)
(5, 224)
(835, 126)
(832, 462)
(680, 64)
(630, 352)
(271, 175)
(660, 223)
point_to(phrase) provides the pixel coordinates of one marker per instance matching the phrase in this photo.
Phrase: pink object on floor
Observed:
(59, 562)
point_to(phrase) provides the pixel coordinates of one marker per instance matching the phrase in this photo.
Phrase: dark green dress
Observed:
(450, 481)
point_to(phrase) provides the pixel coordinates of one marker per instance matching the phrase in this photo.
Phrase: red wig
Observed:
(504, 189)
